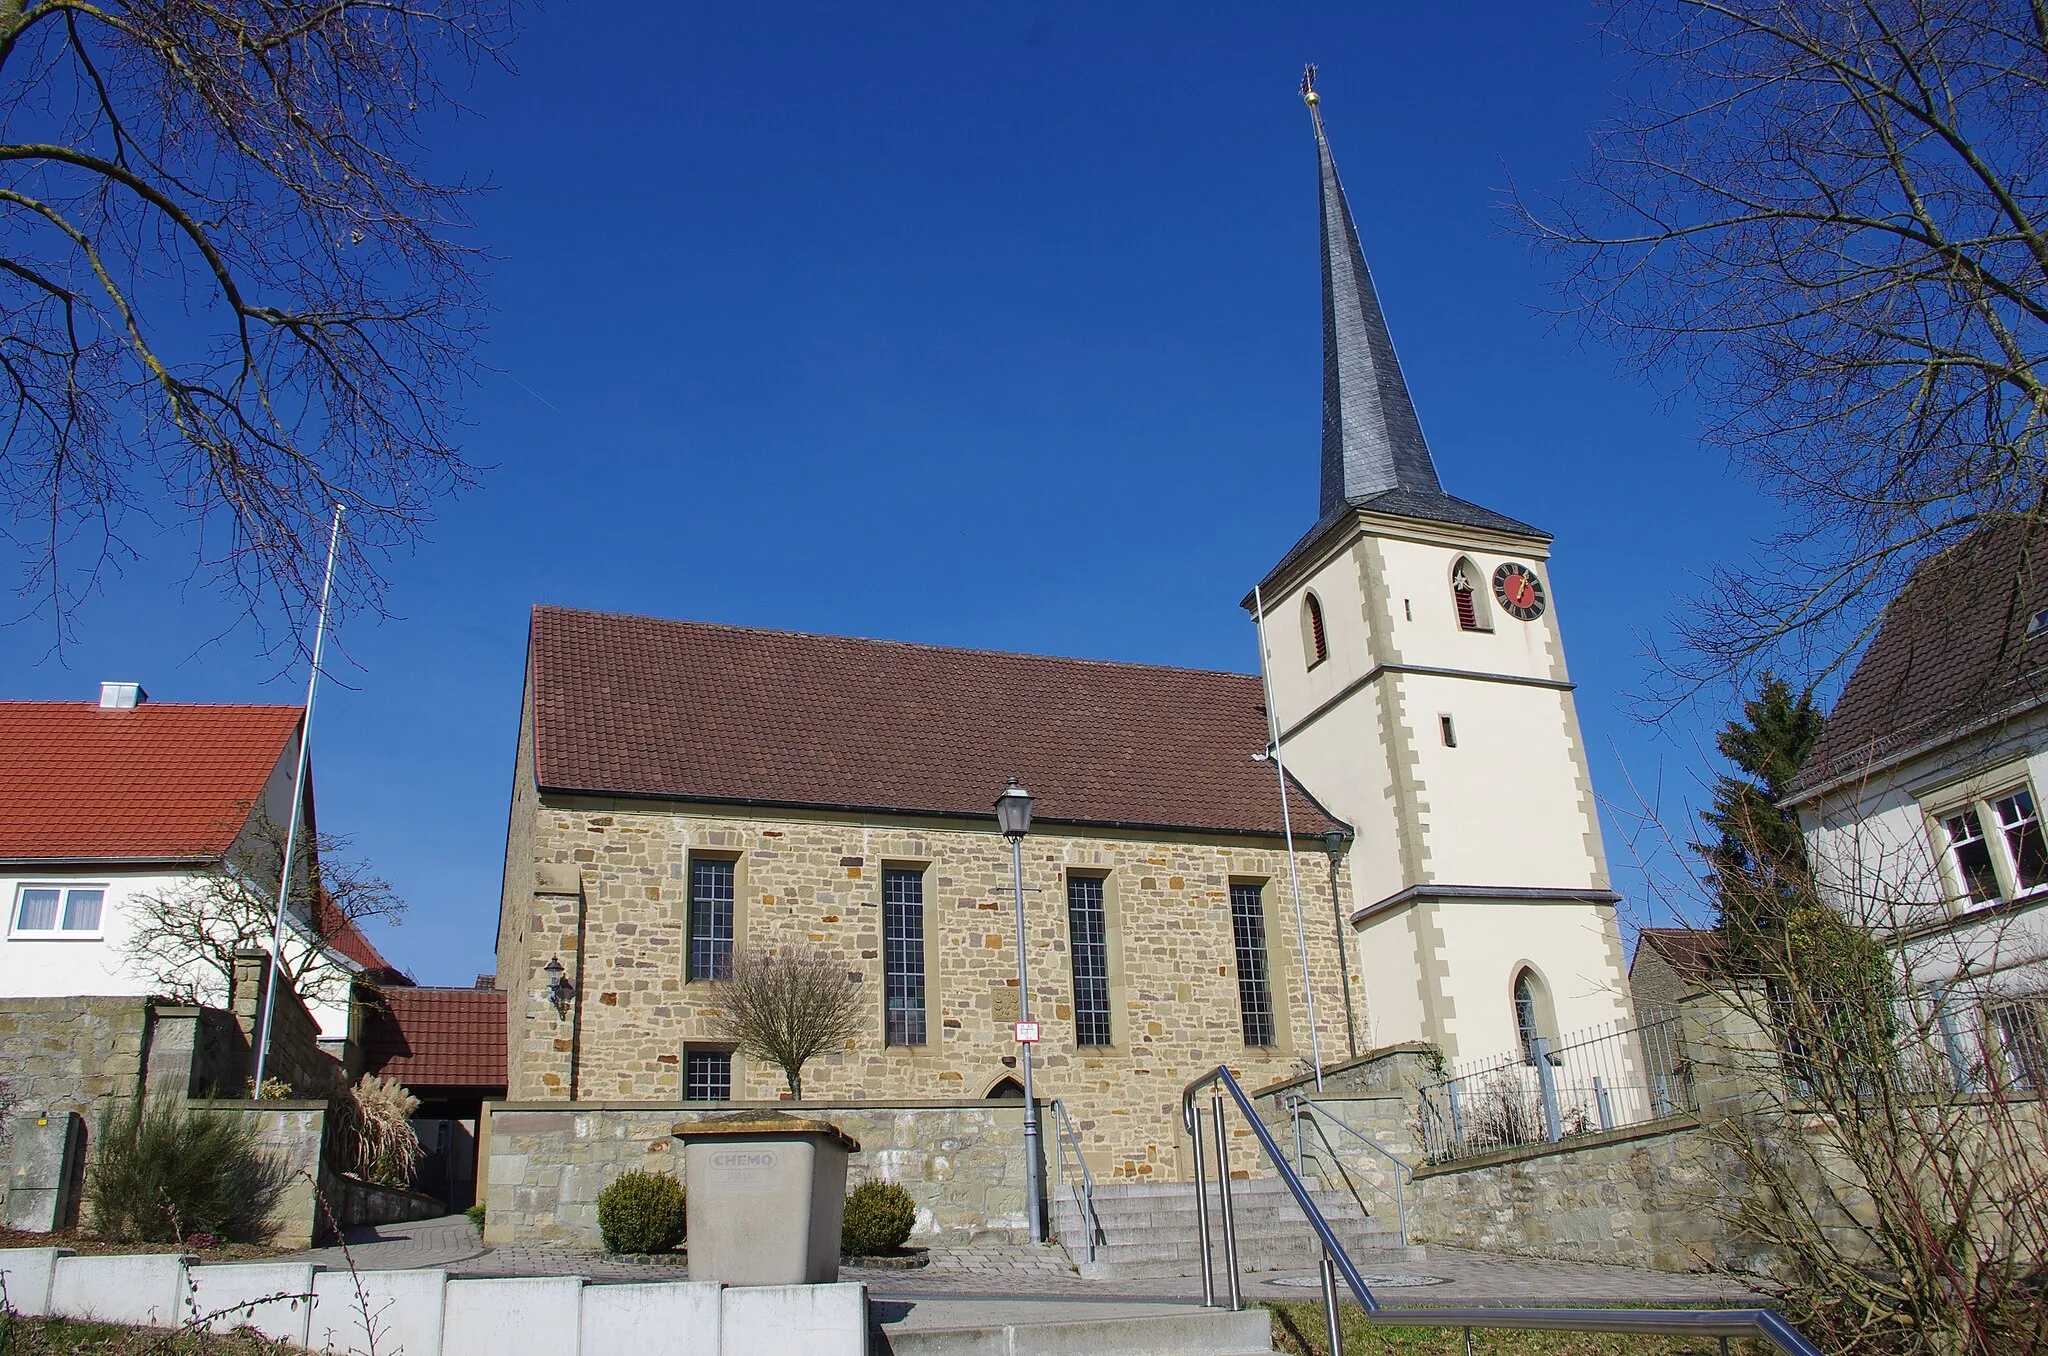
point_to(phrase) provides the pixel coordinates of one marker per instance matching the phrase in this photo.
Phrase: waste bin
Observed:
(767, 1197)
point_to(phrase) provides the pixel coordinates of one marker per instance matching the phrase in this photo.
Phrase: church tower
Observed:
(1419, 684)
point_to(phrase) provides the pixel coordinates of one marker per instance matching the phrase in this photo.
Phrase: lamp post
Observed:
(1013, 815)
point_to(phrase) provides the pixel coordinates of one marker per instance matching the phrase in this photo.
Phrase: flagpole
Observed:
(1315, 1043)
(291, 833)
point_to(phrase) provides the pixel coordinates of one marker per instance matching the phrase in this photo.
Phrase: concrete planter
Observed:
(767, 1197)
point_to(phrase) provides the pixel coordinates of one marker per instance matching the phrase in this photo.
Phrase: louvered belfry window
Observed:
(1468, 608)
(1319, 642)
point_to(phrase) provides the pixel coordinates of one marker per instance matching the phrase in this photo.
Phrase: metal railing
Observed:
(1082, 1184)
(1766, 1324)
(1319, 1116)
(1605, 1079)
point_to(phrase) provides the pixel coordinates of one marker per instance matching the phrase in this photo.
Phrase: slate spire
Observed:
(1372, 441)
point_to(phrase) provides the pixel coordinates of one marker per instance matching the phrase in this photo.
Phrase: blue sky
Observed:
(968, 324)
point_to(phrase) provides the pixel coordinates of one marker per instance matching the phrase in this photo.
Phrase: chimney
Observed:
(487, 981)
(121, 696)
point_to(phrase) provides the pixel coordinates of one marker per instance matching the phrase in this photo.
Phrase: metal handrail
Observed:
(1084, 1189)
(1297, 1105)
(1767, 1324)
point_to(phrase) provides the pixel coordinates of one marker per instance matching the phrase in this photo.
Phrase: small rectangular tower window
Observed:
(903, 955)
(1088, 932)
(1254, 989)
(707, 1075)
(711, 908)
(1450, 731)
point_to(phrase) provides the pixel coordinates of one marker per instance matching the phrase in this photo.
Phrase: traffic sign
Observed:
(1026, 1032)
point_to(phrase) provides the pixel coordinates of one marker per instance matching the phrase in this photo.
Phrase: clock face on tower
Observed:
(1519, 591)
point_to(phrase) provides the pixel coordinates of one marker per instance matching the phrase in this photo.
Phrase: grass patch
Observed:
(66, 1337)
(1298, 1331)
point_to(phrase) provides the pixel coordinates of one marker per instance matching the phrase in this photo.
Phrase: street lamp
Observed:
(1333, 844)
(1013, 816)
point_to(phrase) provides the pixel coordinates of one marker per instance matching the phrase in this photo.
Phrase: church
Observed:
(1433, 871)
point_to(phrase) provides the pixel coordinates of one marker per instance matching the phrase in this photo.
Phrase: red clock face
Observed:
(1519, 591)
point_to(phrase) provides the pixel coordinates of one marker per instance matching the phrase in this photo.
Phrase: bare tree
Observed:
(185, 935)
(232, 299)
(788, 1007)
(1830, 219)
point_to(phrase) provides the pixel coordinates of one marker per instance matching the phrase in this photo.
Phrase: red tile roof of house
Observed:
(343, 935)
(157, 782)
(693, 711)
(1953, 649)
(438, 1039)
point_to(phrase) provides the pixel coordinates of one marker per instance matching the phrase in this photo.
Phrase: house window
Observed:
(903, 955)
(1972, 856)
(707, 1075)
(1088, 933)
(1318, 640)
(1527, 1025)
(1254, 989)
(1995, 846)
(1462, 595)
(2021, 825)
(711, 905)
(2022, 1043)
(56, 910)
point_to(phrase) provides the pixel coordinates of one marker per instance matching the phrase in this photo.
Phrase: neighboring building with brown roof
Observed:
(1921, 801)
(1673, 964)
(104, 805)
(683, 791)
(447, 1046)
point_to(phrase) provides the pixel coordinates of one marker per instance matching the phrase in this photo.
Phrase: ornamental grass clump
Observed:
(161, 1173)
(379, 1114)
(879, 1217)
(642, 1212)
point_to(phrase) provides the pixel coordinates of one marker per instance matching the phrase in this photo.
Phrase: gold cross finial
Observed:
(1308, 86)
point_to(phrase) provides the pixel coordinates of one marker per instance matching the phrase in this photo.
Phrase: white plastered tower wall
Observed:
(1471, 862)
(1439, 724)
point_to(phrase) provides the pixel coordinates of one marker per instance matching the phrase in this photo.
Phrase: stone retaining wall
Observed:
(70, 1054)
(544, 1163)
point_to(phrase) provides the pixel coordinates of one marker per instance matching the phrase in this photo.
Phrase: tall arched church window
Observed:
(1527, 1025)
(1318, 641)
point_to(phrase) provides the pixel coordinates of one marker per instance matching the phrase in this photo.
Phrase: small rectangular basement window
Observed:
(707, 1075)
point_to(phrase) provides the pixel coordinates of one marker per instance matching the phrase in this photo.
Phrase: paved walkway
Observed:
(1041, 1275)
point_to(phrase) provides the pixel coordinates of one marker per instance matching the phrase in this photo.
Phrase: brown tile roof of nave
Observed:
(1951, 650)
(639, 706)
(157, 782)
(437, 1038)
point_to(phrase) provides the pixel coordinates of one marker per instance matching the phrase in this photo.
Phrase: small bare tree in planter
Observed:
(788, 1007)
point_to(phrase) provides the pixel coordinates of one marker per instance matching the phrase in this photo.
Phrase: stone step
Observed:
(1195, 1332)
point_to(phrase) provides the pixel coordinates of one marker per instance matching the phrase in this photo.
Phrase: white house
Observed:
(104, 805)
(1921, 803)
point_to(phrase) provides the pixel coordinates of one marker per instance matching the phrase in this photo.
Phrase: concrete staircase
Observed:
(1150, 1230)
(1066, 1330)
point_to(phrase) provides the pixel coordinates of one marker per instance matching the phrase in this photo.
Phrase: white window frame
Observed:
(59, 933)
(1994, 829)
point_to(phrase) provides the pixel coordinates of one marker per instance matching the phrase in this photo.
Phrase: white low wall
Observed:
(423, 1313)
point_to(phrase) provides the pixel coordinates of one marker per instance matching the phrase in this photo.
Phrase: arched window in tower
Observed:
(1463, 595)
(1528, 1025)
(1314, 639)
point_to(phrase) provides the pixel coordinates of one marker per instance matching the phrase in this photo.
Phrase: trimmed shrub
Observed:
(160, 1174)
(642, 1212)
(879, 1216)
(476, 1216)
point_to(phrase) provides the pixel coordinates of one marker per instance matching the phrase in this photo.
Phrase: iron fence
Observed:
(1608, 1078)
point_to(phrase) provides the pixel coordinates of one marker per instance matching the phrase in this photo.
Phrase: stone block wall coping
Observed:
(250, 1104)
(1670, 1125)
(1419, 1048)
(879, 1104)
(754, 1124)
